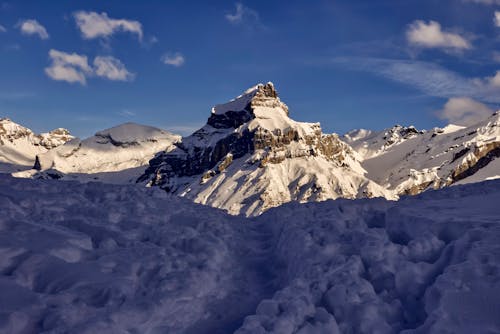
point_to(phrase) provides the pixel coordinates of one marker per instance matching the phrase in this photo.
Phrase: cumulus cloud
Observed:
(173, 59)
(2, 28)
(491, 82)
(497, 19)
(464, 111)
(75, 68)
(69, 67)
(32, 27)
(94, 25)
(431, 35)
(111, 68)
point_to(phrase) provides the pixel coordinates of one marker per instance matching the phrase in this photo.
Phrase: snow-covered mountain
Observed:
(116, 155)
(409, 161)
(19, 145)
(250, 156)
(98, 258)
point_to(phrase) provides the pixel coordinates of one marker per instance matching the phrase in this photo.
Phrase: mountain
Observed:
(100, 258)
(251, 156)
(409, 161)
(115, 155)
(19, 145)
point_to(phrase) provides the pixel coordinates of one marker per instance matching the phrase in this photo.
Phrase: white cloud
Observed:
(111, 68)
(429, 78)
(485, 2)
(174, 59)
(497, 19)
(489, 84)
(464, 111)
(68, 67)
(94, 25)
(2, 28)
(431, 35)
(32, 27)
(238, 15)
(244, 14)
(75, 68)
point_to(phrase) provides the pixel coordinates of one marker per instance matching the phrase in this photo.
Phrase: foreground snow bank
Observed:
(87, 258)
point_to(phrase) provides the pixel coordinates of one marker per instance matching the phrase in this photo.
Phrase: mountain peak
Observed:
(260, 101)
(252, 146)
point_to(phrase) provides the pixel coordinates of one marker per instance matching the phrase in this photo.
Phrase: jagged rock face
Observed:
(437, 158)
(10, 131)
(19, 145)
(246, 146)
(274, 144)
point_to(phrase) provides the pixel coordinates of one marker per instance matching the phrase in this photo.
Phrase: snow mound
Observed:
(131, 133)
(93, 258)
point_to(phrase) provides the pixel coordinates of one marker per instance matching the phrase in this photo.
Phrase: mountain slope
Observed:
(251, 156)
(409, 161)
(115, 155)
(19, 145)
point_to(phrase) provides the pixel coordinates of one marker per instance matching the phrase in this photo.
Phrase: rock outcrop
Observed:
(254, 133)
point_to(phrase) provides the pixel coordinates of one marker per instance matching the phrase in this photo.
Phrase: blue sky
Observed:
(88, 65)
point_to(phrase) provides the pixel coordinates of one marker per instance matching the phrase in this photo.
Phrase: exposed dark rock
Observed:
(195, 156)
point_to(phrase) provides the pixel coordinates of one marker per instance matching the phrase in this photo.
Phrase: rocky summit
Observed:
(252, 151)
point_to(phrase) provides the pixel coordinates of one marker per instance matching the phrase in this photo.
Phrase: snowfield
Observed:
(96, 258)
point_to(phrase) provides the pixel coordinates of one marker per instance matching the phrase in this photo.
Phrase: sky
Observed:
(89, 65)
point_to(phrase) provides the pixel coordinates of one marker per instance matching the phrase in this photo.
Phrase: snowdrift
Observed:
(96, 258)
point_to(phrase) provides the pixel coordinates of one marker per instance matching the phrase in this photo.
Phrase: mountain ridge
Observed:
(251, 156)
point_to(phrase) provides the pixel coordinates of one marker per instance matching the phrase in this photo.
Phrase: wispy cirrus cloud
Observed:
(244, 15)
(484, 2)
(496, 20)
(174, 59)
(94, 25)
(431, 35)
(75, 68)
(429, 78)
(2, 28)
(32, 27)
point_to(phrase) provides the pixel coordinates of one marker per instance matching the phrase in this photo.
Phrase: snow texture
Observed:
(409, 161)
(116, 155)
(96, 258)
(19, 145)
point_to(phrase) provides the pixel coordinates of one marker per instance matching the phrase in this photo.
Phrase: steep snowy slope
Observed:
(116, 155)
(97, 258)
(19, 145)
(410, 161)
(251, 156)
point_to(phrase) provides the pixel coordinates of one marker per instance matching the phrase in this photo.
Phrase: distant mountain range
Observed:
(251, 156)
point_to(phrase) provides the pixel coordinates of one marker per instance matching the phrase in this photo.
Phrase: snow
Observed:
(238, 103)
(19, 145)
(91, 257)
(130, 133)
(408, 163)
(116, 155)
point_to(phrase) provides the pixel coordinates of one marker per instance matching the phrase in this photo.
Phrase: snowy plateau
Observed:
(255, 223)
